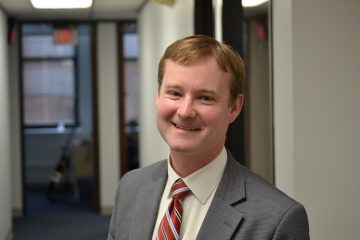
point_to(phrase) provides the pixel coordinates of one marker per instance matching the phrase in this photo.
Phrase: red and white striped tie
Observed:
(169, 228)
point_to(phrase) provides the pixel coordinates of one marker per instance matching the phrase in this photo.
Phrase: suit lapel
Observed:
(222, 219)
(148, 204)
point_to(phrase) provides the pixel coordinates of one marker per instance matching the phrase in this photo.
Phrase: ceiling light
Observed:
(61, 4)
(252, 3)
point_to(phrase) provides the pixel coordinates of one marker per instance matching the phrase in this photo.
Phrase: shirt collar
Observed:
(205, 180)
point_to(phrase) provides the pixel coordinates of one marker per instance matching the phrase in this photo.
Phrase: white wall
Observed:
(159, 25)
(259, 104)
(283, 96)
(323, 85)
(108, 106)
(5, 197)
(15, 145)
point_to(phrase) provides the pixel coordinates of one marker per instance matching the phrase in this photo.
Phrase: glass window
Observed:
(49, 92)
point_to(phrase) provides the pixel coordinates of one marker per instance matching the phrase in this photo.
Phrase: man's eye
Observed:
(173, 93)
(207, 99)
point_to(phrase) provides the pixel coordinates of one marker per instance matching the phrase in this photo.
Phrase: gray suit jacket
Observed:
(245, 206)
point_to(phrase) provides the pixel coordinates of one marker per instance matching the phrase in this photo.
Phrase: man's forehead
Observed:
(188, 61)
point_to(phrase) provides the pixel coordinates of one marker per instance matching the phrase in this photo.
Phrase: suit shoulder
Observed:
(144, 174)
(260, 188)
(259, 193)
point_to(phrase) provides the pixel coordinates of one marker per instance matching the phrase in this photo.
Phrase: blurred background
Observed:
(77, 90)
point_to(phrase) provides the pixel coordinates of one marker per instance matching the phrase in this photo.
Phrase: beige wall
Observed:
(5, 155)
(159, 25)
(259, 105)
(108, 115)
(15, 145)
(324, 64)
(283, 96)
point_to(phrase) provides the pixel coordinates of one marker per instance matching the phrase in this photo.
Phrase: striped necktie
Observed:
(169, 228)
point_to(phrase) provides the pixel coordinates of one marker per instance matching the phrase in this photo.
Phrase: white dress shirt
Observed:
(203, 184)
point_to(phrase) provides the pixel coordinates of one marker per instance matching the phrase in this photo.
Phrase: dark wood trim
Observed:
(49, 59)
(22, 126)
(204, 17)
(124, 166)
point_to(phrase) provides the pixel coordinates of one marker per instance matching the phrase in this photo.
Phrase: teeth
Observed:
(186, 128)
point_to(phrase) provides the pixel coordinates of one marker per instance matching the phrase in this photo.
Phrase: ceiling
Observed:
(100, 10)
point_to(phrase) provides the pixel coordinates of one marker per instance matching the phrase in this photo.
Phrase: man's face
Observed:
(193, 107)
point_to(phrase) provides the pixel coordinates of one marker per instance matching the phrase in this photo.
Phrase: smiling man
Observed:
(200, 191)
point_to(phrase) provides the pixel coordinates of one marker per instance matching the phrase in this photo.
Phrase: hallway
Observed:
(64, 219)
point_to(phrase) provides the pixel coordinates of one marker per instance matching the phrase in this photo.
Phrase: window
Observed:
(49, 84)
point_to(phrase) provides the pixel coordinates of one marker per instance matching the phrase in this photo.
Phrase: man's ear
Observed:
(236, 107)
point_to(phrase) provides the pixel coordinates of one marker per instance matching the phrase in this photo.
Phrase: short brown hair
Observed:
(199, 47)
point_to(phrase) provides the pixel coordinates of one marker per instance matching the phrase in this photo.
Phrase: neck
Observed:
(185, 164)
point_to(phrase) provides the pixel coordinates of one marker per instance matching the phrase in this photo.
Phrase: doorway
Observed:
(57, 116)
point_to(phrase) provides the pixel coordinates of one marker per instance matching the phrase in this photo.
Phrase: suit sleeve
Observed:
(112, 228)
(294, 225)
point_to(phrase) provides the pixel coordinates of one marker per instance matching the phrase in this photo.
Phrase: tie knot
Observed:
(179, 189)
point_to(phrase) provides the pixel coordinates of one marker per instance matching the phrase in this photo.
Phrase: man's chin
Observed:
(182, 148)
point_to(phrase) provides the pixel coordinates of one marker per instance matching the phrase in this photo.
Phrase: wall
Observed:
(108, 117)
(259, 103)
(5, 198)
(15, 146)
(283, 96)
(324, 60)
(159, 25)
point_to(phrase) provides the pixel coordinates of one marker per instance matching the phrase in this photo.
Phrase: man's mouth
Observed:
(187, 128)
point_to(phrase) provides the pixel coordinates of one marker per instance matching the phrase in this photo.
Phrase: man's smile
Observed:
(186, 127)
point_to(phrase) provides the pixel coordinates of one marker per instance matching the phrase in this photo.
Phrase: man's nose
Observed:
(186, 109)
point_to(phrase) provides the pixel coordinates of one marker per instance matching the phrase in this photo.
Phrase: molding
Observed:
(107, 210)
(17, 212)
(142, 5)
(9, 235)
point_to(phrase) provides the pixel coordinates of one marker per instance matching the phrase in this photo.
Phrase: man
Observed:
(200, 191)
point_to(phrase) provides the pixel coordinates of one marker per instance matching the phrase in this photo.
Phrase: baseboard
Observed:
(10, 235)
(106, 210)
(17, 212)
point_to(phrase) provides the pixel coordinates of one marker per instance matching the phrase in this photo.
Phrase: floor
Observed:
(61, 219)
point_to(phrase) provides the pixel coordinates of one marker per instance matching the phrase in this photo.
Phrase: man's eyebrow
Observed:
(172, 86)
(207, 91)
(201, 91)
